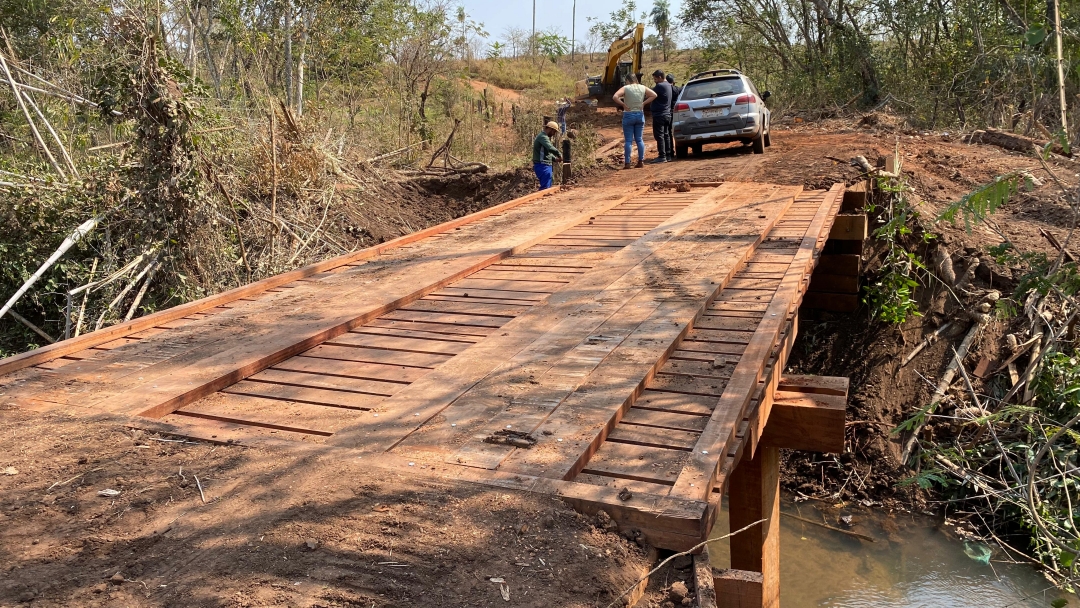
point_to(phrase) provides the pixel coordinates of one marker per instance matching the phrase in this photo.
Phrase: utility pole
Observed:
(1060, 70)
(532, 38)
(573, 22)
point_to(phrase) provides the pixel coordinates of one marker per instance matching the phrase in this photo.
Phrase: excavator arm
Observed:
(602, 88)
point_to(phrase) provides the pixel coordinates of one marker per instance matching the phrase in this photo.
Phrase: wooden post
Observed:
(755, 494)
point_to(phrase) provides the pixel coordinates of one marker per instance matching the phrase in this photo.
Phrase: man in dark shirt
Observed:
(543, 153)
(661, 119)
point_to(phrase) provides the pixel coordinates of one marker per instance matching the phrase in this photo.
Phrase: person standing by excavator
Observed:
(632, 99)
(544, 152)
(661, 119)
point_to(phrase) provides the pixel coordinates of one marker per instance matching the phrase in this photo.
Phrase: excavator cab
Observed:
(616, 69)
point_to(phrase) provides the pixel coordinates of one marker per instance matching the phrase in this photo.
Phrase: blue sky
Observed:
(497, 15)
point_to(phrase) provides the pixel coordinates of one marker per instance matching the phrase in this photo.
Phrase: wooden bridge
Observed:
(621, 349)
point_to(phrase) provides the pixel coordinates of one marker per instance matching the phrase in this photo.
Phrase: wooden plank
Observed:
(664, 419)
(689, 385)
(375, 355)
(493, 294)
(505, 285)
(353, 369)
(737, 589)
(850, 227)
(647, 436)
(467, 320)
(676, 402)
(390, 342)
(451, 331)
(729, 323)
(753, 495)
(835, 302)
(724, 336)
(806, 421)
(303, 394)
(525, 275)
(719, 367)
(466, 308)
(849, 264)
(835, 247)
(642, 463)
(701, 473)
(834, 283)
(412, 333)
(89, 340)
(822, 385)
(315, 380)
(270, 413)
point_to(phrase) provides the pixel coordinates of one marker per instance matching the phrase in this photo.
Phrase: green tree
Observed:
(617, 23)
(660, 17)
(551, 46)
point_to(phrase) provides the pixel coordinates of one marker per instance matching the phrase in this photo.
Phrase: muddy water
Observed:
(911, 564)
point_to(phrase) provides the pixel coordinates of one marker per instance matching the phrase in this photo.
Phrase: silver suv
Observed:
(720, 106)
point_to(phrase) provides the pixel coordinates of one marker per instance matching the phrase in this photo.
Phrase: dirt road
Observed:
(91, 514)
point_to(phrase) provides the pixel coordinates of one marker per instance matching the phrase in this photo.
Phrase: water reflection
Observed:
(912, 564)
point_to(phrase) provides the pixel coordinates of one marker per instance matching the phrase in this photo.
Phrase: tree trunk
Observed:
(305, 22)
(288, 53)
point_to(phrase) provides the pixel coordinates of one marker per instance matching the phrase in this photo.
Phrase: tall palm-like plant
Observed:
(660, 17)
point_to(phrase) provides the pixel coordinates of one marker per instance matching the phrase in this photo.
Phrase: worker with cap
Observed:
(544, 152)
(661, 119)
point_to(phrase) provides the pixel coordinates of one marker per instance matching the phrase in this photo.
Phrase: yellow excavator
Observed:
(602, 88)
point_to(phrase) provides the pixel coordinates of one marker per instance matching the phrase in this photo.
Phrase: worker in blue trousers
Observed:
(544, 152)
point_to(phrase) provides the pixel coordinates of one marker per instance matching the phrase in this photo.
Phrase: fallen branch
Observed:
(939, 392)
(850, 533)
(70, 241)
(26, 113)
(197, 483)
(1054, 242)
(34, 328)
(927, 342)
(687, 552)
(394, 153)
(142, 290)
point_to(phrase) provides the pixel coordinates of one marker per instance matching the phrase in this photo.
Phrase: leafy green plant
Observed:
(891, 298)
(979, 204)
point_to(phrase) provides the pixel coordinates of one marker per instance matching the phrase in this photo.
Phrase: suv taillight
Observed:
(746, 99)
(679, 107)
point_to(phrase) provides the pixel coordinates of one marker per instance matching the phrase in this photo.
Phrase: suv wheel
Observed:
(768, 138)
(682, 151)
(759, 144)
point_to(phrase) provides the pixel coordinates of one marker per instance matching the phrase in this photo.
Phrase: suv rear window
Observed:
(717, 87)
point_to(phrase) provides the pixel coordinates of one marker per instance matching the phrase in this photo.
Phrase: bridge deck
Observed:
(616, 348)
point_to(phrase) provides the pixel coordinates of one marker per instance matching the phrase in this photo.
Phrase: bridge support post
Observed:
(755, 495)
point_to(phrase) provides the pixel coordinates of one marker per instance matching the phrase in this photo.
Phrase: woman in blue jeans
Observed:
(632, 99)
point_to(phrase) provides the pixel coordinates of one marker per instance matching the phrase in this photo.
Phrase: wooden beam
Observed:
(850, 228)
(834, 283)
(737, 589)
(754, 494)
(107, 334)
(821, 385)
(704, 582)
(699, 475)
(845, 264)
(805, 421)
(835, 302)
